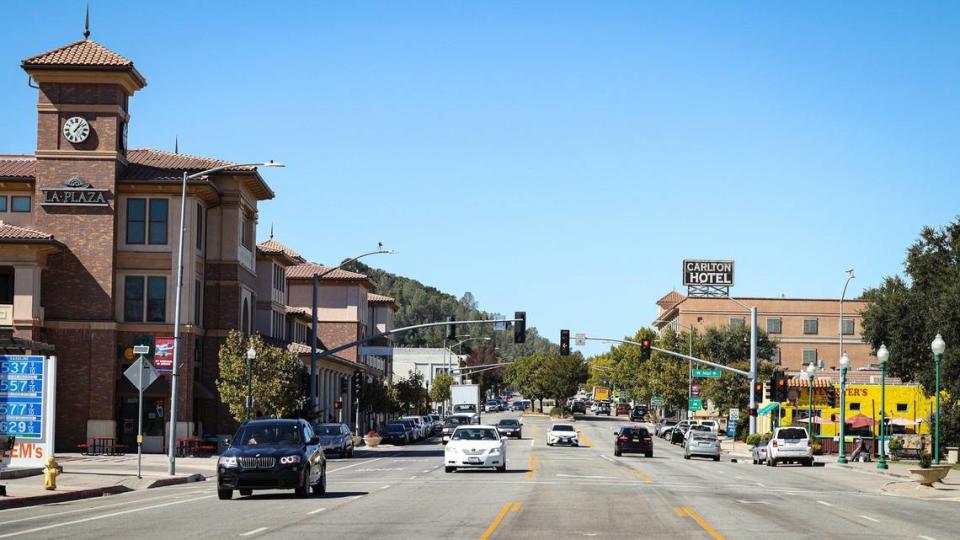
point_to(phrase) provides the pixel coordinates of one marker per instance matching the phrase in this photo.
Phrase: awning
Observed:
(768, 408)
(821, 382)
(860, 421)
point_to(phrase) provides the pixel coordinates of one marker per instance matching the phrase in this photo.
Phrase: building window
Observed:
(279, 277)
(848, 327)
(138, 223)
(809, 356)
(145, 299)
(737, 322)
(810, 326)
(776, 356)
(901, 407)
(20, 203)
(854, 406)
(200, 229)
(245, 317)
(246, 230)
(3, 203)
(774, 326)
(198, 303)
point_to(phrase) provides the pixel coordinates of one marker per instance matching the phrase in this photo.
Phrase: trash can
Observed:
(953, 454)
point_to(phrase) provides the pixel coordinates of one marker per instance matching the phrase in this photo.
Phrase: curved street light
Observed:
(938, 347)
(882, 355)
(811, 371)
(844, 366)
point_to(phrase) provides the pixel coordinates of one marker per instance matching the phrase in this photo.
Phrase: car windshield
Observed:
(705, 437)
(474, 434)
(699, 428)
(508, 422)
(792, 434)
(464, 407)
(268, 434)
(563, 427)
(328, 430)
(456, 420)
(393, 426)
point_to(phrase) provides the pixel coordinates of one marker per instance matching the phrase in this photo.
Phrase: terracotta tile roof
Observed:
(79, 53)
(854, 376)
(12, 232)
(159, 159)
(299, 312)
(307, 270)
(272, 247)
(299, 348)
(671, 299)
(17, 166)
(380, 299)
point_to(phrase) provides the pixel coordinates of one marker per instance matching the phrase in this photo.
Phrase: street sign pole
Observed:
(140, 421)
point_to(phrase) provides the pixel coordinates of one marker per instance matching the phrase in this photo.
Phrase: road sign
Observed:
(376, 351)
(149, 374)
(696, 404)
(656, 401)
(706, 373)
(731, 427)
(734, 414)
(695, 389)
(581, 339)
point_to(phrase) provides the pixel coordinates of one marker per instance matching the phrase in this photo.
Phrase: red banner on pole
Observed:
(163, 354)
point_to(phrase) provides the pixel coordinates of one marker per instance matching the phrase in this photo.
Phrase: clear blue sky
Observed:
(557, 157)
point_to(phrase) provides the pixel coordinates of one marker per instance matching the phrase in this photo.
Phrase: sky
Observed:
(561, 158)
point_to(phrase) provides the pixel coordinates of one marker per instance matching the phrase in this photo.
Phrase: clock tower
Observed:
(84, 92)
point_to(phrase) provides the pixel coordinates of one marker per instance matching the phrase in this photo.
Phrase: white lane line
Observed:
(385, 487)
(531, 442)
(761, 484)
(89, 509)
(355, 497)
(738, 477)
(253, 532)
(101, 516)
(870, 518)
(426, 471)
(825, 503)
(317, 511)
(608, 459)
(355, 465)
(922, 537)
(414, 477)
(751, 502)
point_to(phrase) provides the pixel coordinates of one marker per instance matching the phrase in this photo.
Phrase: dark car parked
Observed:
(633, 439)
(335, 439)
(272, 454)
(397, 432)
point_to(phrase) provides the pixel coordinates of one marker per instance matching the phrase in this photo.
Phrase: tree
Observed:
(905, 315)
(561, 376)
(730, 346)
(411, 396)
(278, 377)
(440, 391)
(522, 375)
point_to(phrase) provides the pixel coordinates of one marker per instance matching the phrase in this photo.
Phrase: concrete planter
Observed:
(372, 441)
(926, 477)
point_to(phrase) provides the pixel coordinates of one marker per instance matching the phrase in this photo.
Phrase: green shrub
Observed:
(817, 448)
(895, 444)
(925, 461)
(754, 439)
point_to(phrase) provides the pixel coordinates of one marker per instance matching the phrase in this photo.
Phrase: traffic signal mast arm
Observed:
(404, 329)
(676, 354)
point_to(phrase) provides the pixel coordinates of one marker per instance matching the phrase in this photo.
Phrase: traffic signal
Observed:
(520, 327)
(451, 329)
(771, 389)
(564, 343)
(343, 385)
(780, 394)
(832, 396)
(757, 392)
(357, 384)
(645, 345)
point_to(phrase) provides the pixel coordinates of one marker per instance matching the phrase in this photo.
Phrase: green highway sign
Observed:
(656, 401)
(696, 404)
(706, 373)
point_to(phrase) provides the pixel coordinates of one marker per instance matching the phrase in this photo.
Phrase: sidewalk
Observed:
(94, 476)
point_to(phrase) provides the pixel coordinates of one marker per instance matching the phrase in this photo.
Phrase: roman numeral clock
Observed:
(76, 129)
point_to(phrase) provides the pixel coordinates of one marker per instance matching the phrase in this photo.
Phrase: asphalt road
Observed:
(547, 492)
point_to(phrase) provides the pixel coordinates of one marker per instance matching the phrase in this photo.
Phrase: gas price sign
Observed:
(21, 396)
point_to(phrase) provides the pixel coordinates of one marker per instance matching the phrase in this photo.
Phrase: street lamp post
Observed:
(811, 370)
(172, 436)
(882, 355)
(251, 356)
(842, 295)
(844, 366)
(938, 346)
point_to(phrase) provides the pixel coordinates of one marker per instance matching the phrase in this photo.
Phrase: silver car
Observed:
(701, 443)
(760, 451)
(335, 439)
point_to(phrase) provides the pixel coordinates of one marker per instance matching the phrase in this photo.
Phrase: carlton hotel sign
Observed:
(75, 192)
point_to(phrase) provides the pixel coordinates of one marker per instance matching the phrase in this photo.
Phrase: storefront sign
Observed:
(163, 354)
(27, 400)
(697, 273)
(75, 192)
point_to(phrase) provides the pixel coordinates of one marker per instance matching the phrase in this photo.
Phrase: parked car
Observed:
(429, 425)
(563, 434)
(272, 454)
(676, 434)
(712, 424)
(760, 451)
(335, 439)
(437, 424)
(622, 408)
(397, 432)
(510, 427)
(420, 429)
(663, 426)
(517, 406)
(491, 406)
(452, 422)
(638, 413)
(475, 446)
(701, 441)
(789, 445)
(634, 439)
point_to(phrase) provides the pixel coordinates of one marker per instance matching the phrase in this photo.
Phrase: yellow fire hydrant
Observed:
(50, 473)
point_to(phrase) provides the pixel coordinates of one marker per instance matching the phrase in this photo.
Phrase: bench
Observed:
(118, 449)
(84, 449)
(906, 452)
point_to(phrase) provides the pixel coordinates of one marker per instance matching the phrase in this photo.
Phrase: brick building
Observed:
(88, 244)
(807, 330)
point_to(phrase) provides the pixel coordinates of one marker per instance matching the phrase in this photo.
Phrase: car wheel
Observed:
(716, 458)
(321, 487)
(649, 454)
(449, 469)
(808, 463)
(224, 494)
(617, 453)
(246, 492)
(304, 490)
(502, 468)
(686, 456)
(773, 463)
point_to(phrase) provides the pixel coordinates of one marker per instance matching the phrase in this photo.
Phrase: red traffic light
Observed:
(338, 405)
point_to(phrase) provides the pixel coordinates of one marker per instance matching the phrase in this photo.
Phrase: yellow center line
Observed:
(531, 465)
(496, 522)
(679, 511)
(534, 429)
(642, 475)
(585, 440)
(516, 506)
(703, 524)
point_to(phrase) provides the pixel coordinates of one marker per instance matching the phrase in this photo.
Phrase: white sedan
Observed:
(473, 446)
(563, 434)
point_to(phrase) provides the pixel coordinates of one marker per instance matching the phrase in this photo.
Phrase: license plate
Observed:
(473, 460)
(636, 440)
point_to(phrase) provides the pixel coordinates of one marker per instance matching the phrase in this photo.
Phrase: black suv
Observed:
(638, 413)
(633, 439)
(272, 454)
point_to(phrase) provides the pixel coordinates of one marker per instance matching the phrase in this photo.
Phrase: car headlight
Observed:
(289, 460)
(227, 462)
(451, 450)
(495, 452)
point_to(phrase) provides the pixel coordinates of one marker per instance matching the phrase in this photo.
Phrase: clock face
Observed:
(76, 129)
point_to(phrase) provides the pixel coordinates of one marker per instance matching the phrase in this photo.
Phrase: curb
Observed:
(62, 496)
(868, 471)
(889, 493)
(177, 480)
(12, 474)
